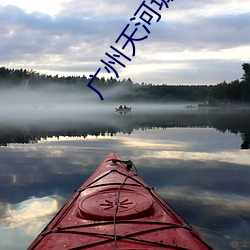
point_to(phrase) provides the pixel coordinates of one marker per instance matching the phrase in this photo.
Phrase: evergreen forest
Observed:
(224, 93)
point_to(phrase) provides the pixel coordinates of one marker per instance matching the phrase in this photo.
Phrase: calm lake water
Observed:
(197, 160)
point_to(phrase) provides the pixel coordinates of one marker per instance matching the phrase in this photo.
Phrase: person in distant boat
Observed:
(120, 107)
(125, 106)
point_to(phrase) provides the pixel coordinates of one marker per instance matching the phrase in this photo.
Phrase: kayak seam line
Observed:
(166, 208)
(44, 233)
(173, 212)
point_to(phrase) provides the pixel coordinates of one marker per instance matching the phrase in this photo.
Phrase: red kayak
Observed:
(116, 209)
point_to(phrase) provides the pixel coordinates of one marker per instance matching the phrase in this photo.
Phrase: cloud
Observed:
(95, 8)
(75, 39)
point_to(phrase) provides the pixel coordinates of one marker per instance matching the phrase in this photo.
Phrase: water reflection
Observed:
(195, 166)
(33, 209)
(110, 123)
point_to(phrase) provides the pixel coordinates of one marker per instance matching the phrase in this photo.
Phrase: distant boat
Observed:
(125, 110)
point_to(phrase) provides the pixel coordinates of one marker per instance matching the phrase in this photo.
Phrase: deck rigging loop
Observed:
(129, 164)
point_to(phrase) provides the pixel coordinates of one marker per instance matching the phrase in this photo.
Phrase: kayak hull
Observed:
(116, 209)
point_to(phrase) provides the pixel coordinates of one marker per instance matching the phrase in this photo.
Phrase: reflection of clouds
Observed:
(195, 167)
(222, 219)
(227, 240)
(228, 203)
(155, 140)
(237, 157)
(146, 144)
(29, 213)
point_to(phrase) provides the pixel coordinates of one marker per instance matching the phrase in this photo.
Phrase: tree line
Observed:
(235, 122)
(236, 91)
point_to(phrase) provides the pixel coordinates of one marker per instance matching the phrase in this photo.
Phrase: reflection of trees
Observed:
(237, 122)
(16, 137)
(246, 141)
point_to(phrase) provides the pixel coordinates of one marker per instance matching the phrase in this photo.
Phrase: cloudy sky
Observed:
(195, 42)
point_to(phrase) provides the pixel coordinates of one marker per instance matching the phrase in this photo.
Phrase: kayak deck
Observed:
(116, 209)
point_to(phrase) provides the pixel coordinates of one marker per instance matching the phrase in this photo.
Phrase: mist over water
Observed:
(61, 102)
(56, 110)
(52, 138)
(48, 102)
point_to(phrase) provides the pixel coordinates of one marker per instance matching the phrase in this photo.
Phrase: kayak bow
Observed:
(116, 209)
